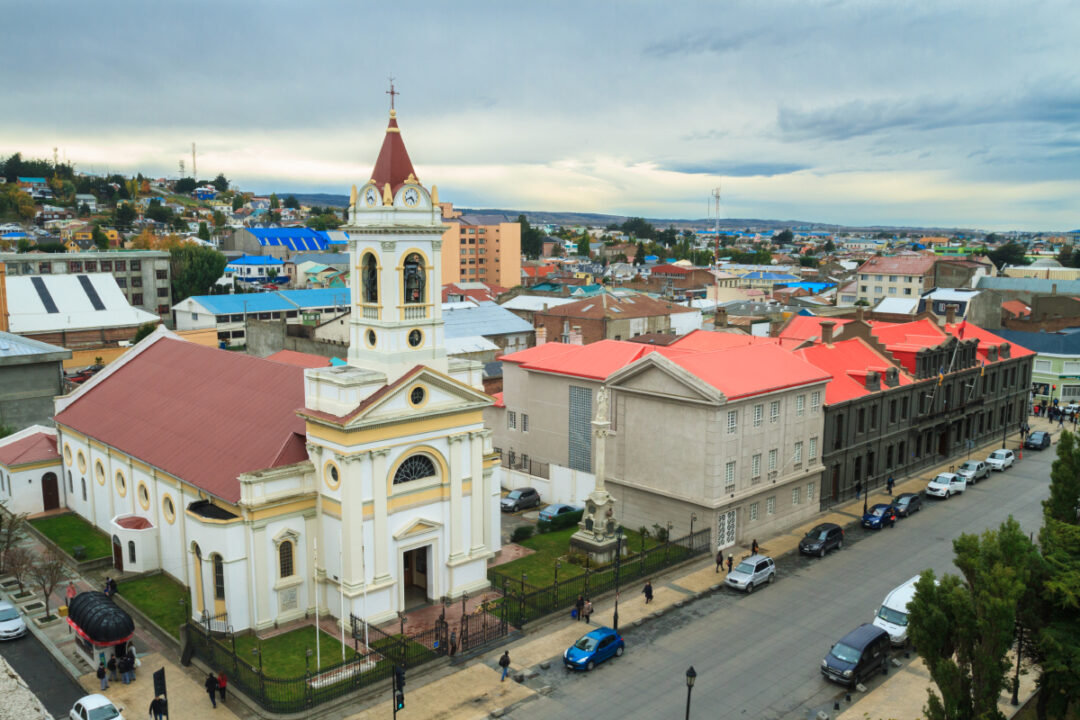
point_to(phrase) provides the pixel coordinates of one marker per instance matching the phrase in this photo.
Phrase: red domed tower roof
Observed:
(393, 166)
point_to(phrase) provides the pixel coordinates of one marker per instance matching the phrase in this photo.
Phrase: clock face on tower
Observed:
(411, 196)
(371, 196)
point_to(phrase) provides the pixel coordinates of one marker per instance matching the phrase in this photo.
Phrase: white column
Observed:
(382, 539)
(352, 516)
(259, 596)
(479, 505)
(457, 518)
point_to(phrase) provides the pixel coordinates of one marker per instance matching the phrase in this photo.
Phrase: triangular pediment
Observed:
(420, 526)
(438, 394)
(655, 374)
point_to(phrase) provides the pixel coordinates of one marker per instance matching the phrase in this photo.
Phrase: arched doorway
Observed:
(117, 553)
(50, 491)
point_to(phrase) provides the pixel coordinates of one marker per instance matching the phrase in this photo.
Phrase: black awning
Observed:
(99, 619)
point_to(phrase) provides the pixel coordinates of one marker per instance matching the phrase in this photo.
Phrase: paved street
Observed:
(759, 656)
(53, 686)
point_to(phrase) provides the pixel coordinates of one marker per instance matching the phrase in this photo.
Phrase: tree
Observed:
(6, 430)
(783, 237)
(237, 202)
(46, 573)
(274, 203)
(1064, 481)
(195, 269)
(142, 331)
(17, 561)
(292, 203)
(829, 246)
(124, 215)
(219, 219)
(638, 228)
(583, 244)
(1011, 253)
(84, 210)
(158, 212)
(326, 221)
(220, 183)
(184, 185)
(808, 261)
(11, 531)
(963, 626)
(639, 254)
(204, 232)
(532, 240)
(101, 240)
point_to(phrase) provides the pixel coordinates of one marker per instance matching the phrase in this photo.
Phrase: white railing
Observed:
(371, 313)
(415, 312)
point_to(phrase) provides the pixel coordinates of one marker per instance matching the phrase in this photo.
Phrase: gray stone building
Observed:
(31, 375)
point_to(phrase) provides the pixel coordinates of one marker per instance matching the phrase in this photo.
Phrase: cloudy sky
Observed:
(918, 113)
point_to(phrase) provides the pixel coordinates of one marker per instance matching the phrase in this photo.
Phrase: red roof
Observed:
(36, 447)
(669, 269)
(134, 522)
(808, 327)
(499, 400)
(537, 270)
(712, 340)
(202, 414)
(393, 166)
(594, 361)
(300, 359)
(489, 291)
(848, 362)
(1016, 308)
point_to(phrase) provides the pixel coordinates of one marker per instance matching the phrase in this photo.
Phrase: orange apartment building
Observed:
(480, 248)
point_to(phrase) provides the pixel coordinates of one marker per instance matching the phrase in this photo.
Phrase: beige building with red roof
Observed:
(613, 317)
(901, 276)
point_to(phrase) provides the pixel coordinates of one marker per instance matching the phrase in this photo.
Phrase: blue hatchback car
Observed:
(879, 516)
(592, 648)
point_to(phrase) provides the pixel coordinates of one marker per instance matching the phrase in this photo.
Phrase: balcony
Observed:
(371, 312)
(414, 312)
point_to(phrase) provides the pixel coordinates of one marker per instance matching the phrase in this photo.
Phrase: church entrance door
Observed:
(117, 554)
(414, 574)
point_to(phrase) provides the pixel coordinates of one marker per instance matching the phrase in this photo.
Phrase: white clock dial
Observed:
(371, 197)
(411, 197)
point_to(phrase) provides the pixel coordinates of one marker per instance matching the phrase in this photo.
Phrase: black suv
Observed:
(1037, 440)
(861, 653)
(821, 539)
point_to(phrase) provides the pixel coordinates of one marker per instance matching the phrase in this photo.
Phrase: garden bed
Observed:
(539, 566)
(160, 598)
(69, 531)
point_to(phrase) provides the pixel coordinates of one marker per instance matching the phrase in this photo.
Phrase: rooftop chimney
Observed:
(859, 313)
(541, 335)
(720, 319)
(575, 336)
(873, 381)
(3, 298)
(827, 331)
(950, 314)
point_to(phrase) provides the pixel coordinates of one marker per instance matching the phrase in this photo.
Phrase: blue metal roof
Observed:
(757, 275)
(274, 301)
(296, 239)
(256, 260)
(1044, 342)
(814, 287)
(487, 318)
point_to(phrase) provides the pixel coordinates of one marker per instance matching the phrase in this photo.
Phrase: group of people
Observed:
(121, 666)
(1053, 413)
(582, 609)
(216, 684)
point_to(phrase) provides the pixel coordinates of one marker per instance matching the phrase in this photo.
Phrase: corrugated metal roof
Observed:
(21, 449)
(483, 319)
(16, 345)
(44, 303)
(1044, 342)
(324, 258)
(468, 344)
(1031, 285)
(273, 301)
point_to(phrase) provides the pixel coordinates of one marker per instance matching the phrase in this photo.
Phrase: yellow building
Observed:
(480, 248)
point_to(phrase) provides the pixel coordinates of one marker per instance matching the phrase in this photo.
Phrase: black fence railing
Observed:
(524, 603)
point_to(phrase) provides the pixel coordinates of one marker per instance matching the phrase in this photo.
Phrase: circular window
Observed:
(144, 496)
(67, 453)
(169, 509)
(332, 475)
(417, 396)
(415, 338)
(99, 472)
(371, 338)
(82, 462)
(121, 484)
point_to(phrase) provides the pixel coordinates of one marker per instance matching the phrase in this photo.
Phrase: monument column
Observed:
(597, 534)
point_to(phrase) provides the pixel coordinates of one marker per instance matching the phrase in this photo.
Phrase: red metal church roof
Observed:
(393, 166)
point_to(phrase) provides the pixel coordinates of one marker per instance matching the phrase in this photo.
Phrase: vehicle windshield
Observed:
(968, 466)
(943, 479)
(105, 712)
(817, 534)
(998, 455)
(845, 652)
(745, 567)
(8, 614)
(586, 643)
(892, 616)
(877, 512)
(514, 494)
(903, 500)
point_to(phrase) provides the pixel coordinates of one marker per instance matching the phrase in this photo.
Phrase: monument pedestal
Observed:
(601, 551)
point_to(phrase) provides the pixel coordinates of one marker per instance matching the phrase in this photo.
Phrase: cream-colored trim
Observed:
(291, 581)
(330, 469)
(99, 472)
(139, 492)
(442, 472)
(82, 462)
(418, 386)
(282, 509)
(121, 484)
(67, 454)
(394, 429)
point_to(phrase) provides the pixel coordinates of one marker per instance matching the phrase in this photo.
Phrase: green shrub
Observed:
(522, 532)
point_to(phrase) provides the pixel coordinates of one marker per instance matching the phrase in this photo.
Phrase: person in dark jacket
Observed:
(157, 708)
(730, 559)
(504, 663)
(211, 686)
(453, 642)
(124, 666)
(112, 669)
(579, 605)
(719, 560)
(647, 590)
(102, 676)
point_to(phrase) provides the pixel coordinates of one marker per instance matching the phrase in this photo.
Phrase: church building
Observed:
(274, 492)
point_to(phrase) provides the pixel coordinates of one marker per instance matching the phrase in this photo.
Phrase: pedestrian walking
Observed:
(647, 590)
(579, 607)
(719, 560)
(222, 683)
(587, 610)
(102, 677)
(157, 707)
(1061, 421)
(504, 663)
(730, 560)
(753, 547)
(858, 489)
(108, 586)
(211, 688)
(70, 592)
(111, 665)
(889, 484)
(122, 668)
(133, 661)
(453, 642)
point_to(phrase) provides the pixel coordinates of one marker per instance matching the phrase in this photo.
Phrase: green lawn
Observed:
(283, 655)
(69, 530)
(539, 567)
(160, 597)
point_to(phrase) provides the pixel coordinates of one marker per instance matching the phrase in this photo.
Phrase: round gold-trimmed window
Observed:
(416, 337)
(168, 509)
(370, 338)
(67, 454)
(99, 472)
(332, 474)
(121, 484)
(417, 396)
(144, 496)
(82, 462)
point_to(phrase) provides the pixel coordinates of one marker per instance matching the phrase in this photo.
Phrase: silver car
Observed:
(12, 624)
(751, 572)
(973, 470)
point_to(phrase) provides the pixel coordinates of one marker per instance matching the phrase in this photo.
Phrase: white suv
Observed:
(1001, 459)
(946, 485)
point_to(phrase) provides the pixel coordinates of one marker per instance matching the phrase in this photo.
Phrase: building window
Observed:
(580, 428)
(511, 419)
(122, 282)
(755, 466)
(84, 489)
(131, 551)
(903, 408)
(1042, 366)
(729, 476)
(772, 459)
(774, 411)
(163, 292)
(753, 511)
(91, 266)
(121, 265)
(797, 457)
(770, 505)
(144, 496)
(759, 415)
(860, 423)
(815, 401)
(809, 492)
(732, 421)
(136, 281)
(136, 264)
(892, 410)
(285, 559)
(219, 577)
(524, 422)
(795, 493)
(106, 266)
(161, 274)
(813, 448)
(800, 405)
(136, 299)
(414, 279)
(415, 467)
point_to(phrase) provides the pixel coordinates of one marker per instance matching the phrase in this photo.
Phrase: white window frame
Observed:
(813, 448)
(759, 414)
(815, 401)
(729, 476)
(732, 422)
(753, 511)
(797, 456)
(773, 454)
(524, 422)
(810, 492)
(800, 405)
(755, 466)
(1043, 366)
(511, 420)
(796, 492)
(770, 505)
(774, 411)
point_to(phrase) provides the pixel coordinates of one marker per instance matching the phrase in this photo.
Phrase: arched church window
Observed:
(285, 558)
(219, 577)
(414, 279)
(415, 467)
(370, 279)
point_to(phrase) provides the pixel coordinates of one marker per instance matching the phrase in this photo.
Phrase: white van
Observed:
(892, 615)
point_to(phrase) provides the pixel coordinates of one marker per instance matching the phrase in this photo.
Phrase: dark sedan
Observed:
(907, 503)
(1037, 441)
(879, 516)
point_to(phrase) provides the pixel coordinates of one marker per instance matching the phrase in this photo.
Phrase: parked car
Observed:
(1072, 407)
(946, 485)
(907, 503)
(552, 511)
(751, 572)
(520, 499)
(12, 624)
(95, 707)
(892, 615)
(821, 539)
(593, 648)
(973, 470)
(859, 654)
(879, 516)
(1037, 440)
(1001, 459)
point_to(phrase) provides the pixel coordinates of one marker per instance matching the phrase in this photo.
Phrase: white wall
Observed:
(683, 323)
(566, 485)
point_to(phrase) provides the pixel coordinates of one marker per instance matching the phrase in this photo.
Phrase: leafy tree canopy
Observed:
(184, 185)
(1011, 253)
(292, 203)
(220, 183)
(195, 269)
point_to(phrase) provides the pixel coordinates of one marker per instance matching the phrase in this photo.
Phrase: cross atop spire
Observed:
(392, 92)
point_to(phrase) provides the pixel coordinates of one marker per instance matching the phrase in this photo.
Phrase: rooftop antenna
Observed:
(716, 251)
(194, 171)
(55, 157)
(182, 168)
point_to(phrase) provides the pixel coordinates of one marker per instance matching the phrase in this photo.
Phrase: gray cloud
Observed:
(749, 169)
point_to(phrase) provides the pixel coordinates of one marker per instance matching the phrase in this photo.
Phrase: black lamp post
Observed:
(691, 676)
(693, 517)
(618, 566)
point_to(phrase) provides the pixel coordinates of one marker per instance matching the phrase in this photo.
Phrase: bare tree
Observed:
(47, 573)
(17, 562)
(11, 530)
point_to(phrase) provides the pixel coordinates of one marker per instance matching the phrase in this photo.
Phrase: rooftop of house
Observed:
(31, 445)
(256, 260)
(848, 362)
(481, 319)
(47, 303)
(299, 359)
(268, 301)
(899, 265)
(609, 306)
(15, 349)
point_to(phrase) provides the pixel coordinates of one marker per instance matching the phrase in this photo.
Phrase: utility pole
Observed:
(181, 168)
(194, 170)
(716, 255)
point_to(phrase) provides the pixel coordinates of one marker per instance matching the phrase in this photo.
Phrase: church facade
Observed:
(275, 493)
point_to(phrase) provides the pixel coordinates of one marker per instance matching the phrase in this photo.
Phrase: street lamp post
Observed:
(693, 517)
(618, 566)
(691, 675)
